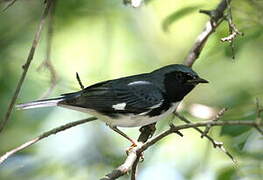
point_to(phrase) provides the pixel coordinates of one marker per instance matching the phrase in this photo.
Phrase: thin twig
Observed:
(79, 81)
(175, 129)
(47, 62)
(44, 135)
(259, 110)
(216, 144)
(26, 65)
(233, 31)
(196, 128)
(9, 5)
(216, 118)
(259, 129)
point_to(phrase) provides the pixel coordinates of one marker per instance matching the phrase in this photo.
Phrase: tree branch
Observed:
(126, 166)
(26, 65)
(44, 135)
(174, 129)
(216, 17)
(136, 152)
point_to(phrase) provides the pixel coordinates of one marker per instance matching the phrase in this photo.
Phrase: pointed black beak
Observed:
(197, 81)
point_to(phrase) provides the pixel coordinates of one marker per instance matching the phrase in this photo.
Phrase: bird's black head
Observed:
(178, 80)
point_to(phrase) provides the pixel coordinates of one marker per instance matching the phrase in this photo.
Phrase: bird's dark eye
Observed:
(179, 76)
(189, 76)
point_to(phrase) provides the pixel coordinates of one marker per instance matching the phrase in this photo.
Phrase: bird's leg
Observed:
(134, 142)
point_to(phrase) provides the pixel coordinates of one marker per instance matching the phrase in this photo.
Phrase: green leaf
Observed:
(239, 142)
(177, 15)
(234, 130)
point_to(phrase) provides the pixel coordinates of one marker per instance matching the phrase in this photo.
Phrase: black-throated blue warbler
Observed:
(131, 101)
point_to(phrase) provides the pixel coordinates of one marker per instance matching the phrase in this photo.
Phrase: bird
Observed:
(131, 101)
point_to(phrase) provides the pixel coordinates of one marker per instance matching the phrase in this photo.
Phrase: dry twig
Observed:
(9, 4)
(216, 144)
(259, 110)
(47, 63)
(233, 31)
(79, 81)
(44, 135)
(26, 65)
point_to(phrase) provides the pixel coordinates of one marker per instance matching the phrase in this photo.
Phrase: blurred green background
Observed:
(104, 39)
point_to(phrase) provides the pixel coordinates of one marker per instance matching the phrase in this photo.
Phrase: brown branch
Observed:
(135, 167)
(125, 167)
(26, 65)
(215, 20)
(131, 158)
(175, 129)
(44, 135)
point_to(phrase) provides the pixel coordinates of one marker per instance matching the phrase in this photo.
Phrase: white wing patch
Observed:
(120, 106)
(138, 82)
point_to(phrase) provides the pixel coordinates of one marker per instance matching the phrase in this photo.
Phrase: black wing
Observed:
(113, 97)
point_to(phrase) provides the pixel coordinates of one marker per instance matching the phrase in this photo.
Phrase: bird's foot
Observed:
(130, 148)
(134, 147)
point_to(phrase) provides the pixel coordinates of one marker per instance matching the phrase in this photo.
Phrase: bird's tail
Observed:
(40, 103)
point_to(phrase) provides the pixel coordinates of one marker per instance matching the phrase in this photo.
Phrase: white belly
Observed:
(127, 120)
